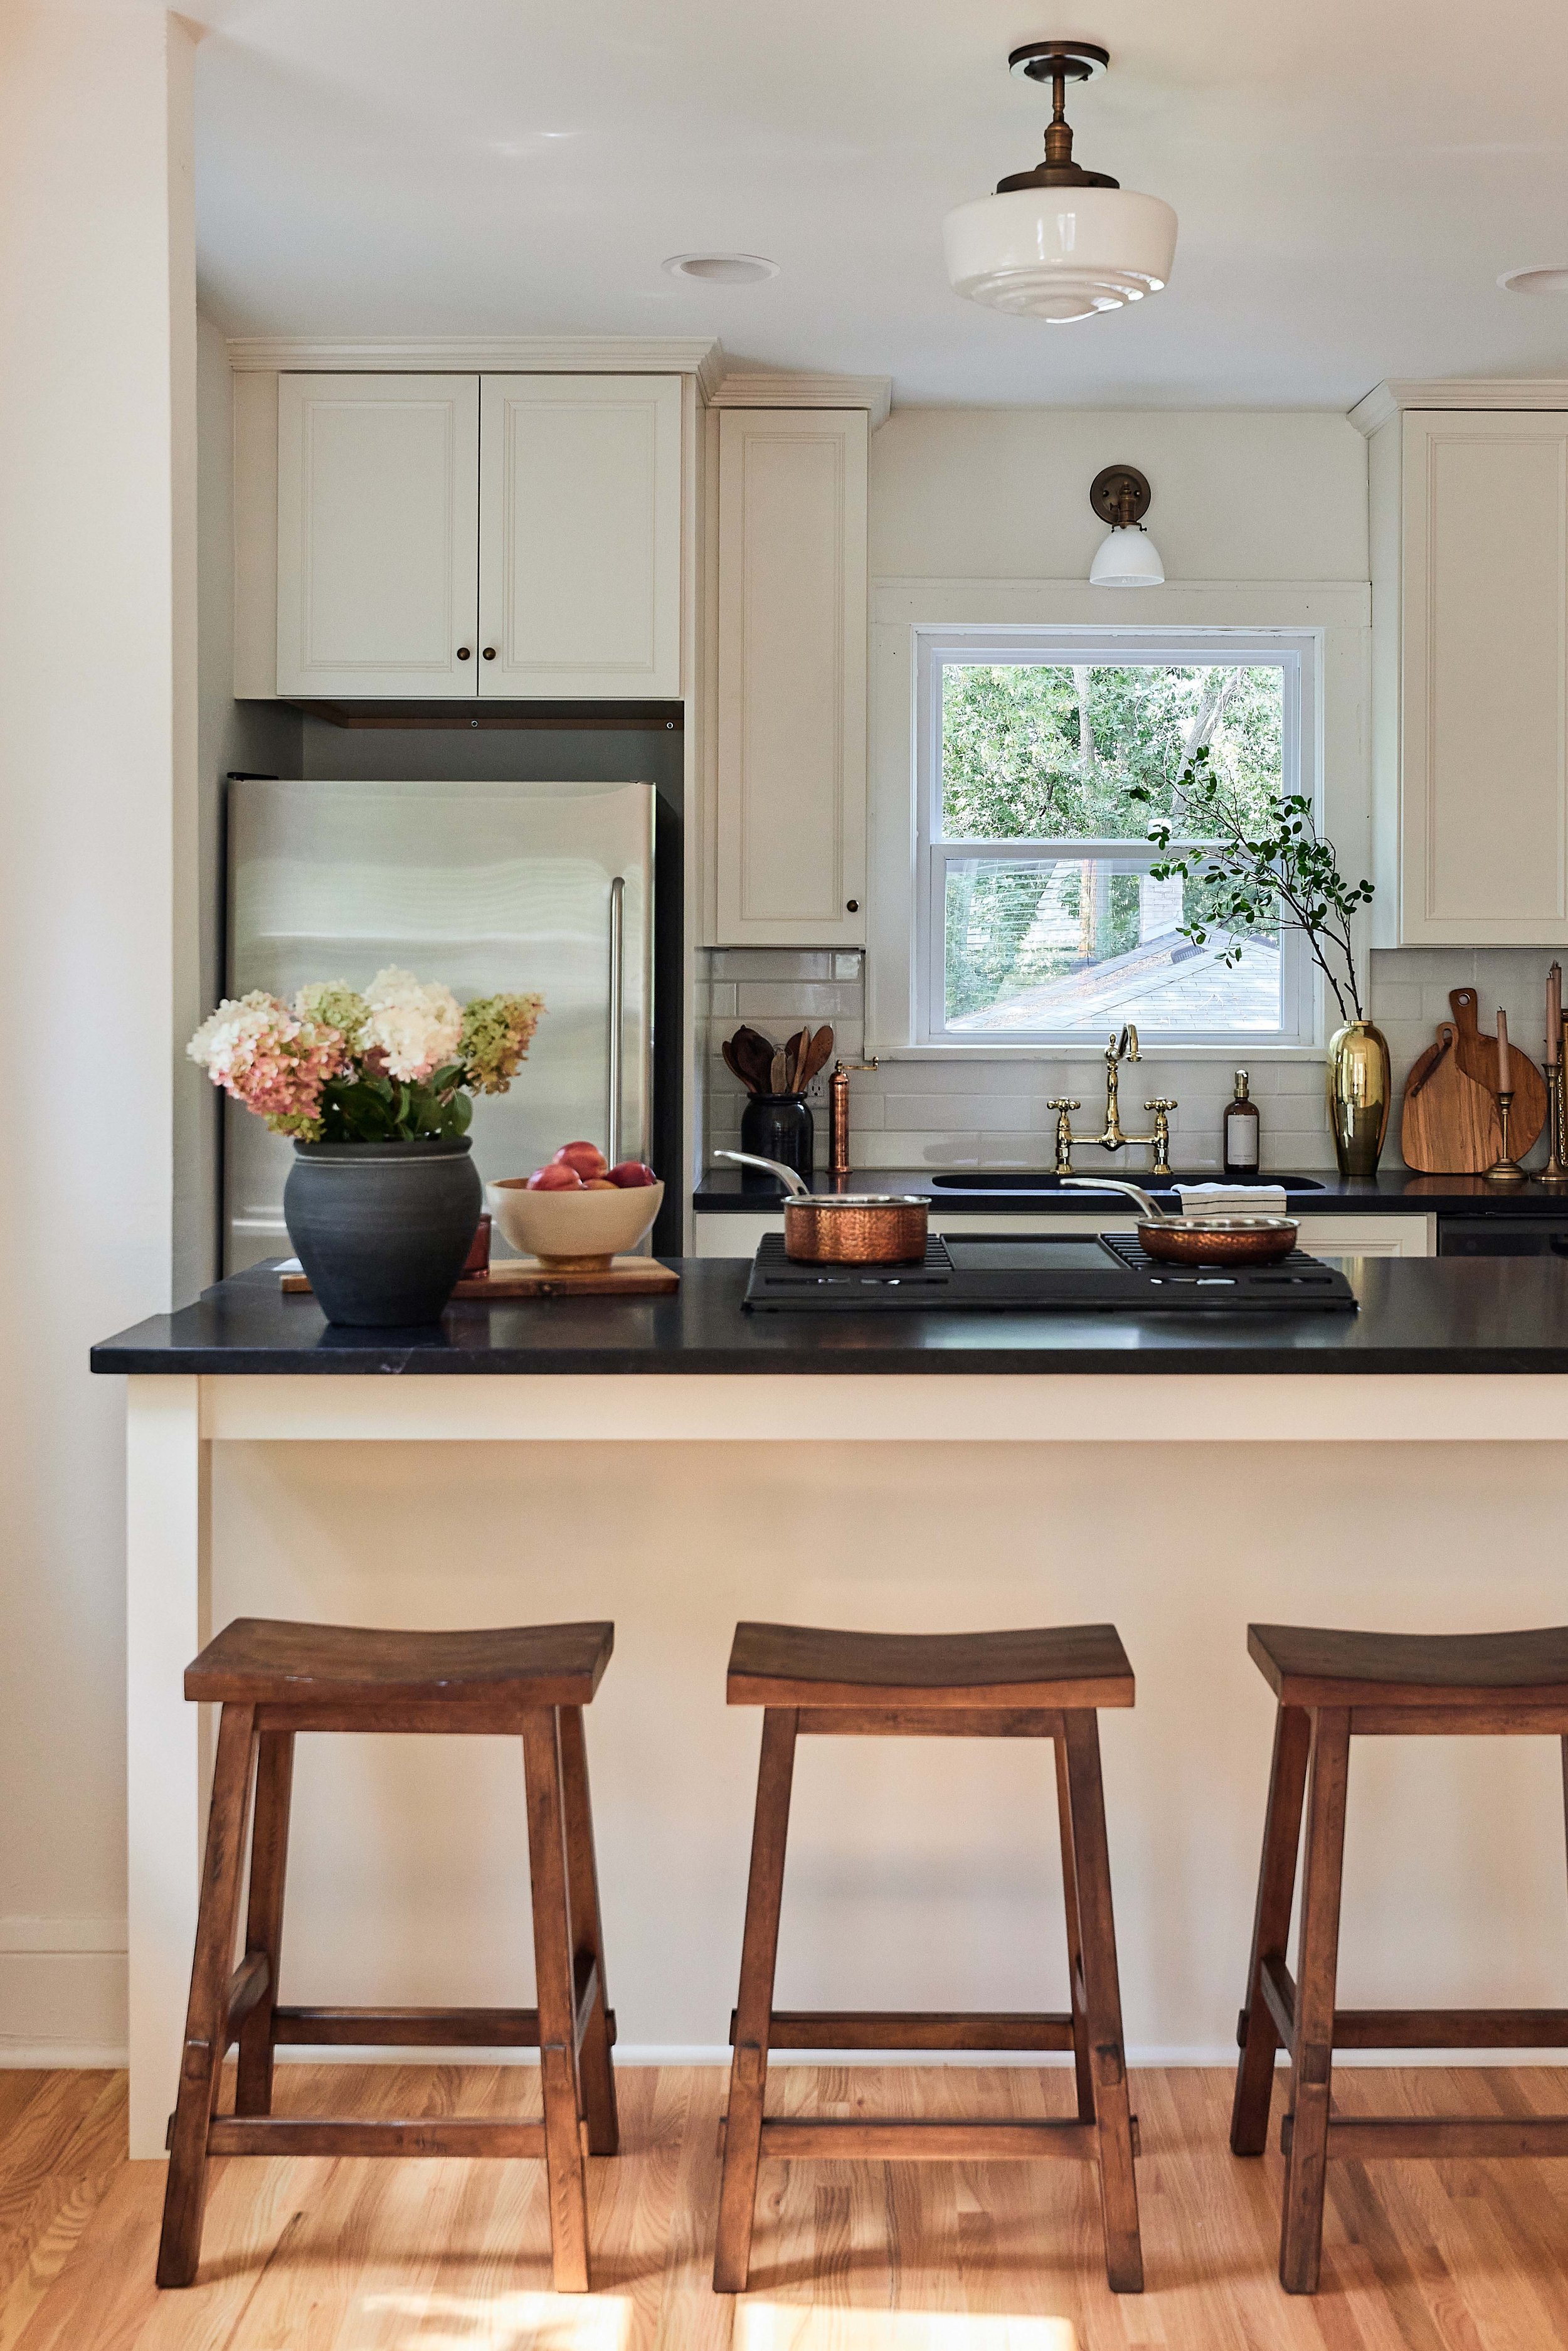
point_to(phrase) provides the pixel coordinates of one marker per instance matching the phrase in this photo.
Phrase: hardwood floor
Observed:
(362, 2255)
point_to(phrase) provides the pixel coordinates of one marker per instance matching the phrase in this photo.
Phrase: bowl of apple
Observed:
(579, 1212)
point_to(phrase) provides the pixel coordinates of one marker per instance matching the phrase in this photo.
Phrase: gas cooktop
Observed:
(1094, 1273)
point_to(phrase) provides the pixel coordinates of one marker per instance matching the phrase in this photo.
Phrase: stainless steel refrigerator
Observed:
(487, 886)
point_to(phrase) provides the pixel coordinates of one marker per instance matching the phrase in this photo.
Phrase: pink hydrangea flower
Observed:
(270, 1060)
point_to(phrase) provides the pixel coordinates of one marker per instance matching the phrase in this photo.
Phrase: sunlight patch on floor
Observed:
(508, 2322)
(784, 2326)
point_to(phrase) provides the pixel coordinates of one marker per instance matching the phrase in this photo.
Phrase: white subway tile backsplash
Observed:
(951, 1112)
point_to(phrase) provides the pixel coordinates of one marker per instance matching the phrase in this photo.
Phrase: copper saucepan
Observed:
(1200, 1240)
(843, 1227)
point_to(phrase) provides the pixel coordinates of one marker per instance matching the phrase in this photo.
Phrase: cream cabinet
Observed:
(378, 534)
(515, 535)
(580, 537)
(791, 766)
(1469, 514)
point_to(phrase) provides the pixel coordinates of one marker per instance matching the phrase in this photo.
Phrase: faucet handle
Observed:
(1062, 1102)
(1162, 1101)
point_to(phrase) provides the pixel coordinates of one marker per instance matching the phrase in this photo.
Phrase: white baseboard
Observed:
(60, 2057)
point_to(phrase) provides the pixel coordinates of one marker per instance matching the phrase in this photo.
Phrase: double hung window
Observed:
(1040, 920)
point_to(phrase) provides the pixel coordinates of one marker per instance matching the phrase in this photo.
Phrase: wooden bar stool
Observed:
(1333, 1687)
(1044, 1685)
(275, 1679)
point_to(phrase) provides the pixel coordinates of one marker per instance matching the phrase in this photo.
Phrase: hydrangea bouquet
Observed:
(396, 1064)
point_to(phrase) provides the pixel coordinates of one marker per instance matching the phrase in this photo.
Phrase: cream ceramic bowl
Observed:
(574, 1229)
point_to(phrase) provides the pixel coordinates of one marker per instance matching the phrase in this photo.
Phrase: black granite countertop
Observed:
(991, 1191)
(1417, 1315)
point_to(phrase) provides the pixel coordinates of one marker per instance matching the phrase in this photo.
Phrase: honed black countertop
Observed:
(1004, 1191)
(1417, 1315)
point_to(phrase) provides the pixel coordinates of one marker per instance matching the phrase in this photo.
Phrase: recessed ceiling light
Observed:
(722, 268)
(1552, 280)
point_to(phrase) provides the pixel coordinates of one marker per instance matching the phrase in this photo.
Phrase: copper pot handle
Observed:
(787, 1175)
(1150, 1210)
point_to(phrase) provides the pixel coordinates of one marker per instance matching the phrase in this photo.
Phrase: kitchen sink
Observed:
(1024, 1179)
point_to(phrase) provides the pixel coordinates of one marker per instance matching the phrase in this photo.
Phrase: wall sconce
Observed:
(1127, 557)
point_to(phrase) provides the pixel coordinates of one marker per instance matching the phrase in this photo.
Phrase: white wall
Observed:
(97, 883)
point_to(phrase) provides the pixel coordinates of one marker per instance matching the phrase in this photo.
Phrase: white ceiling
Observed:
(1351, 177)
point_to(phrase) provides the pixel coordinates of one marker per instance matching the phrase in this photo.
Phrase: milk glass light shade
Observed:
(1060, 253)
(1127, 559)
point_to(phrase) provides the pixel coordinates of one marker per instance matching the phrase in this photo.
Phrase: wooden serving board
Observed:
(1478, 1058)
(1449, 1124)
(526, 1277)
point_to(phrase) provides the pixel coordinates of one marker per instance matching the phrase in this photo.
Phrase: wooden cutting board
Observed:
(1449, 1124)
(1478, 1058)
(511, 1277)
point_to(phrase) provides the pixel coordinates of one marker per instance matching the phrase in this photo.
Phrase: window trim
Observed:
(1295, 651)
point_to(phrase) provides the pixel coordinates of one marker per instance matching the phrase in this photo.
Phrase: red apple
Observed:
(586, 1157)
(631, 1175)
(555, 1179)
(599, 1183)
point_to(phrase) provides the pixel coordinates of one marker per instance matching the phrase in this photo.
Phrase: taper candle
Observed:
(1503, 1080)
(1553, 1010)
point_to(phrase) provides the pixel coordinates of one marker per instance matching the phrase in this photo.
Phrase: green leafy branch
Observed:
(1256, 876)
(372, 1109)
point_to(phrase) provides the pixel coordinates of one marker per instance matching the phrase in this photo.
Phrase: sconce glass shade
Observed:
(1060, 253)
(1127, 559)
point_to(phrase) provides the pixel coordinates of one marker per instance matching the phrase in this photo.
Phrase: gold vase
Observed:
(1359, 1091)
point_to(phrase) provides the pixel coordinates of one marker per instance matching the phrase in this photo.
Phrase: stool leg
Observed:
(1301, 2236)
(565, 2168)
(1091, 1861)
(1083, 2067)
(264, 1920)
(597, 2071)
(206, 2017)
(754, 2009)
(1271, 1926)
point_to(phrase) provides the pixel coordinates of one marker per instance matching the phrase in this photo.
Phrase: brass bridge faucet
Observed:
(1123, 1048)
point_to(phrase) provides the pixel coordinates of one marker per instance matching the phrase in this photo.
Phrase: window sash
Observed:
(1133, 648)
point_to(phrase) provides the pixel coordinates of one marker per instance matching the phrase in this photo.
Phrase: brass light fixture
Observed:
(1059, 242)
(1127, 557)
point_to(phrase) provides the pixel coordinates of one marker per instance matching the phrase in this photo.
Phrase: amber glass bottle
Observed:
(1242, 1129)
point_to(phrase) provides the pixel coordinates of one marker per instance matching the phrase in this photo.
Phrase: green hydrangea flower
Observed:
(497, 1033)
(335, 1005)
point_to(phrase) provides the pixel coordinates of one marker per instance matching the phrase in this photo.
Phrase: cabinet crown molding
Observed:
(1389, 400)
(695, 355)
(782, 388)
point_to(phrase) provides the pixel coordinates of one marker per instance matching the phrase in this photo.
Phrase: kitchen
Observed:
(783, 599)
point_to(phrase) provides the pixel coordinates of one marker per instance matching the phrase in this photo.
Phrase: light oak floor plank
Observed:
(354, 2255)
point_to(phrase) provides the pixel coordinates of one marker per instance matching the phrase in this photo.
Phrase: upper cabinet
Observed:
(789, 845)
(1469, 514)
(378, 534)
(455, 535)
(579, 536)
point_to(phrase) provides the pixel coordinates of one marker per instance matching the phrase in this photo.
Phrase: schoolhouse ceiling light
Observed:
(1127, 557)
(1059, 242)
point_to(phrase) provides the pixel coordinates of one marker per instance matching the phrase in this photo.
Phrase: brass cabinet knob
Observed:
(489, 652)
(463, 652)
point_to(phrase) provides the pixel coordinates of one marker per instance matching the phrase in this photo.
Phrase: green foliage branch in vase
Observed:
(1254, 874)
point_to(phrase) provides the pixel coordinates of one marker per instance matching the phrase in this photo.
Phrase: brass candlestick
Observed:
(1505, 1169)
(1555, 1171)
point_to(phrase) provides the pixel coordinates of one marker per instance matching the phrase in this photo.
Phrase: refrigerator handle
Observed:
(617, 1016)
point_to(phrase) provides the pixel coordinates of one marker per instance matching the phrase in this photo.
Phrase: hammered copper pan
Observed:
(1200, 1240)
(843, 1227)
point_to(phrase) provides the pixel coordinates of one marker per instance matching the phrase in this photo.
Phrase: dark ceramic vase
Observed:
(382, 1228)
(777, 1126)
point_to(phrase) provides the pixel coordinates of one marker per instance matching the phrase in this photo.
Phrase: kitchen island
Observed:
(674, 1464)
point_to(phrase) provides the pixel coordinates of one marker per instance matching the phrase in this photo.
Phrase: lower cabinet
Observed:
(789, 841)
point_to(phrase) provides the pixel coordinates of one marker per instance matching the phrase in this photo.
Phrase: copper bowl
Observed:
(844, 1228)
(1200, 1240)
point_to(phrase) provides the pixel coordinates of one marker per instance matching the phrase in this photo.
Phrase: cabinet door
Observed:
(580, 542)
(1484, 755)
(791, 773)
(377, 555)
